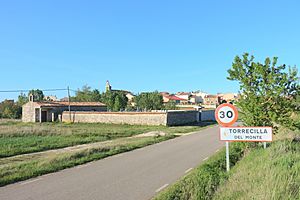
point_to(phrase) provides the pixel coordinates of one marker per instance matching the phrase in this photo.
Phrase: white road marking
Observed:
(27, 182)
(217, 150)
(161, 188)
(186, 171)
(205, 158)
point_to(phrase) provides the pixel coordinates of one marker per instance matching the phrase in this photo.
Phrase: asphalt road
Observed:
(135, 175)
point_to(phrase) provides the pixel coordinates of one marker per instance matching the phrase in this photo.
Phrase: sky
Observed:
(140, 45)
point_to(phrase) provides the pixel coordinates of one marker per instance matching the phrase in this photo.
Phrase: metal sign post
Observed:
(226, 115)
(227, 157)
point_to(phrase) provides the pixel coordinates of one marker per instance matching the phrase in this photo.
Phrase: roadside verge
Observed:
(203, 181)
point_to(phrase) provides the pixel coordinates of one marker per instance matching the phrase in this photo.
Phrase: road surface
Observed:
(135, 175)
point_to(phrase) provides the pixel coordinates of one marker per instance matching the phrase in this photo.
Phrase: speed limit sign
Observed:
(226, 114)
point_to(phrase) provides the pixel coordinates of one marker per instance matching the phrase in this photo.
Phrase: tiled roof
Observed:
(183, 93)
(62, 103)
(211, 96)
(175, 98)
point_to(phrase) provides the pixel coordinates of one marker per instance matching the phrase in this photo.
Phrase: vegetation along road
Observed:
(138, 174)
(28, 150)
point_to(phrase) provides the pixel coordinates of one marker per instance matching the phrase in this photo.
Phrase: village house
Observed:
(49, 111)
(199, 96)
(183, 95)
(193, 99)
(228, 97)
(167, 98)
(50, 98)
(211, 100)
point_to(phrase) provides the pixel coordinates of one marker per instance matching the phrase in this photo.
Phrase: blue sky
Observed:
(140, 45)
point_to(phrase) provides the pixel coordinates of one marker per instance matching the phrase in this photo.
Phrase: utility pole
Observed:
(69, 100)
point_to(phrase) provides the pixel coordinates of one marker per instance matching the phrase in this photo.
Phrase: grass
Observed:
(203, 181)
(17, 139)
(20, 138)
(272, 173)
(21, 169)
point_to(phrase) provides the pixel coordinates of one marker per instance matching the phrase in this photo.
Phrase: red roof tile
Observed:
(175, 98)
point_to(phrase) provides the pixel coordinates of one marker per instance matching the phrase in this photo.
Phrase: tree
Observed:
(149, 101)
(115, 100)
(9, 109)
(267, 90)
(171, 105)
(22, 99)
(38, 95)
(86, 94)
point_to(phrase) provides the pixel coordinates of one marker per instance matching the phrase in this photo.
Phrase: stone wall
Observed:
(28, 112)
(147, 118)
(182, 117)
(207, 115)
(134, 118)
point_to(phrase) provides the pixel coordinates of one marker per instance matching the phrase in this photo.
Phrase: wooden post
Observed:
(69, 104)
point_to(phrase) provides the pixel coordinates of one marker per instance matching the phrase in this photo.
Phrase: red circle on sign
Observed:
(231, 107)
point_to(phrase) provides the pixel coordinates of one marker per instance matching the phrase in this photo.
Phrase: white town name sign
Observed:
(249, 134)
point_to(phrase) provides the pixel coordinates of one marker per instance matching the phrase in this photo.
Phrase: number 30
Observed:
(229, 114)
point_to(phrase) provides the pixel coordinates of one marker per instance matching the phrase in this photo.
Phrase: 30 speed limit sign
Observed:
(226, 114)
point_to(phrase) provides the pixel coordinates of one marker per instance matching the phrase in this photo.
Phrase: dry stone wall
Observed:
(116, 118)
(134, 118)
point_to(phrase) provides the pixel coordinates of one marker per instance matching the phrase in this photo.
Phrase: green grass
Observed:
(19, 138)
(203, 181)
(273, 173)
(22, 169)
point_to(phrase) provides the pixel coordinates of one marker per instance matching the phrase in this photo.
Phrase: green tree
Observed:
(86, 94)
(115, 100)
(267, 90)
(149, 101)
(38, 95)
(171, 105)
(22, 99)
(9, 109)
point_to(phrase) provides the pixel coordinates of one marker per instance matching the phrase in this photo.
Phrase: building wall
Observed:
(183, 96)
(28, 112)
(134, 118)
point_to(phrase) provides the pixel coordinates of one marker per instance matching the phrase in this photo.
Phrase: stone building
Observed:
(48, 111)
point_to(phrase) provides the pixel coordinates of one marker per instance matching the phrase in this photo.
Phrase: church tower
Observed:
(107, 86)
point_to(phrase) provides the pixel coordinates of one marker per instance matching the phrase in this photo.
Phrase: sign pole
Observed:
(227, 157)
(265, 145)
